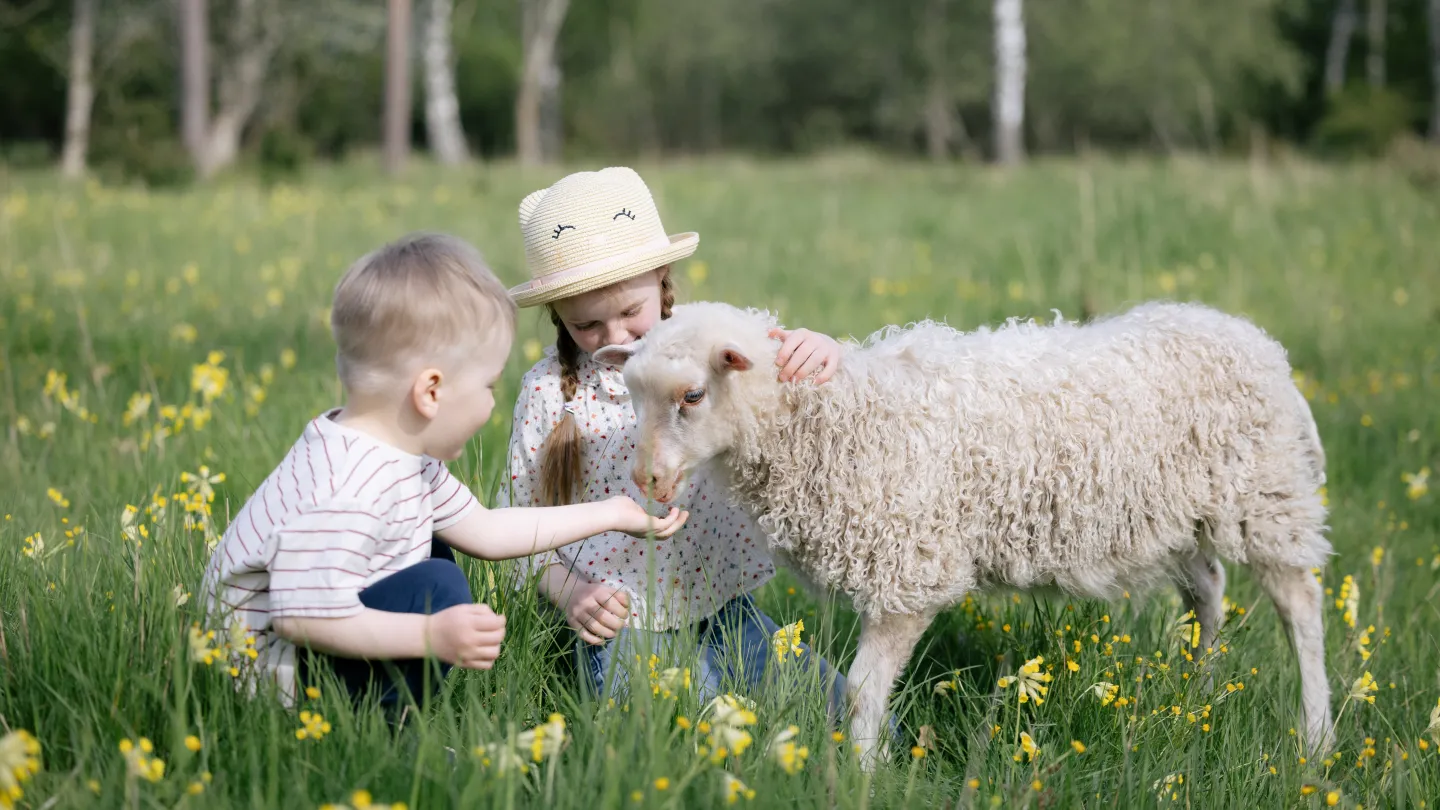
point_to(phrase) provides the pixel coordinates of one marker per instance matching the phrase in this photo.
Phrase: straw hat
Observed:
(590, 230)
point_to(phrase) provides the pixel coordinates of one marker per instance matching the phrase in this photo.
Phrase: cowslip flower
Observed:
(786, 640)
(1030, 681)
(139, 764)
(1028, 748)
(1434, 728)
(362, 800)
(200, 649)
(731, 788)
(1416, 484)
(545, 741)
(1105, 692)
(314, 726)
(34, 546)
(1363, 688)
(784, 751)
(726, 718)
(19, 760)
(1349, 600)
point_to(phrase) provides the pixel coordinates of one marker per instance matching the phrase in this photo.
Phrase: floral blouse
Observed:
(719, 554)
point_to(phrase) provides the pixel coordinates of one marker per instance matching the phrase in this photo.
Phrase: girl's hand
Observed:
(632, 519)
(803, 351)
(597, 612)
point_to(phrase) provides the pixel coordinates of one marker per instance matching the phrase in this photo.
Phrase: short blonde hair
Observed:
(420, 297)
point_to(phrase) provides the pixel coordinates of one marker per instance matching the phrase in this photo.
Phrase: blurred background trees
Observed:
(168, 89)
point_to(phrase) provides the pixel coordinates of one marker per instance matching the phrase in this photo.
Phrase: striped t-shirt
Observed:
(341, 512)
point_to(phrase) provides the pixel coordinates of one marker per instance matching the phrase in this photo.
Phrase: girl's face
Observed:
(615, 315)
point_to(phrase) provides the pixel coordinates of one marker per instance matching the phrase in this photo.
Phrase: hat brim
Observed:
(536, 292)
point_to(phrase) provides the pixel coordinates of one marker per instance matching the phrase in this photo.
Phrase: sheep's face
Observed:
(687, 393)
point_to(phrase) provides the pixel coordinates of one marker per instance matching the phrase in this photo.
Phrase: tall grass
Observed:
(125, 293)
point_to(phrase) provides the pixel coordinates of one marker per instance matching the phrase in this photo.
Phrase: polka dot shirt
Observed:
(719, 554)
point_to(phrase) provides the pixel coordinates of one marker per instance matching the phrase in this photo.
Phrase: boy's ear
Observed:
(729, 358)
(425, 392)
(616, 355)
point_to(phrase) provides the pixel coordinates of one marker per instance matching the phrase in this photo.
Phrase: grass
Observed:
(125, 293)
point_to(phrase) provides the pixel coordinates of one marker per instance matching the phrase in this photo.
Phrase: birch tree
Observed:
(442, 110)
(537, 102)
(1009, 104)
(80, 94)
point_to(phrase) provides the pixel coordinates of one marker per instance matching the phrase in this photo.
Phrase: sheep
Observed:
(1135, 450)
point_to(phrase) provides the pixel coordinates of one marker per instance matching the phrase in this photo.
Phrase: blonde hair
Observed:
(420, 297)
(560, 466)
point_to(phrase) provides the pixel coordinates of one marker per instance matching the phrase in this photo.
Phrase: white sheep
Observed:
(1132, 451)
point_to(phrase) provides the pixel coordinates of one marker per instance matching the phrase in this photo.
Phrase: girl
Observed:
(600, 263)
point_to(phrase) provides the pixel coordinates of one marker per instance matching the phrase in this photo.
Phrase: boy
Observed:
(345, 548)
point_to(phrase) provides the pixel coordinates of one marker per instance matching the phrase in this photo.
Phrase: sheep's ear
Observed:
(616, 355)
(730, 358)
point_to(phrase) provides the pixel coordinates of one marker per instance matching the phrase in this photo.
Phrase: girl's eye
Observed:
(632, 312)
(693, 396)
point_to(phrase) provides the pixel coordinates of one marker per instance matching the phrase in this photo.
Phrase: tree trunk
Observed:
(442, 109)
(539, 80)
(194, 75)
(1342, 31)
(1009, 81)
(1435, 71)
(254, 37)
(81, 93)
(939, 119)
(1375, 51)
(397, 87)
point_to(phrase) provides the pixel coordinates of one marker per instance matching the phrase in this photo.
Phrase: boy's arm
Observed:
(464, 635)
(502, 534)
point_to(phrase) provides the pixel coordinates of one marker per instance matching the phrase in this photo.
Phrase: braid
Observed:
(560, 464)
(667, 294)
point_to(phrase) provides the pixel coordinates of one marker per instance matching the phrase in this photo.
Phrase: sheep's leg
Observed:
(886, 643)
(1202, 585)
(1298, 600)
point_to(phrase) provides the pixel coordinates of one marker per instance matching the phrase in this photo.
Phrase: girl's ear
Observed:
(616, 355)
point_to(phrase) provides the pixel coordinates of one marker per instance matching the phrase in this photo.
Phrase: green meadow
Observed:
(162, 349)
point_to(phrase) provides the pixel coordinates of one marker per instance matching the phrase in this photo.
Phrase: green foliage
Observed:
(125, 290)
(1363, 121)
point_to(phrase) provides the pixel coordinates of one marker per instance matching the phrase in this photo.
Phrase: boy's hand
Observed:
(467, 636)
(597, 612)
(803, 351)
(632, 519)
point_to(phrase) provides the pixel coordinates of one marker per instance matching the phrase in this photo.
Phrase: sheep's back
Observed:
(937, 461)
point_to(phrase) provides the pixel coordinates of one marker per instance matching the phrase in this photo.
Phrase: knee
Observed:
(444, 585)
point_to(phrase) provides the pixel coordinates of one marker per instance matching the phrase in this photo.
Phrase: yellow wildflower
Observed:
(786, 640)
(138, 760)
(789, 756)
(730, 787)
(314, 726)
(1417, 484)
(19, 760)
(1031, 681)
(663, 783)
(1028, 748)
(193, 743)
(1363, 688)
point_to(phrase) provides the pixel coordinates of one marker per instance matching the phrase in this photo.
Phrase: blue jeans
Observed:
(426, 588)
(734, 645)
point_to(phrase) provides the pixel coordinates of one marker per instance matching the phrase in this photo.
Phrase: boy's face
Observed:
(467, 397)
(616, 315)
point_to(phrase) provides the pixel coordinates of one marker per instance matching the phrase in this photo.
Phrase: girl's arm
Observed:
(465, 635)
(503, 534)
(803, 352)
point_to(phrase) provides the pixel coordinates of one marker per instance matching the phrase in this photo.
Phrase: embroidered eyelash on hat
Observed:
(616, 234)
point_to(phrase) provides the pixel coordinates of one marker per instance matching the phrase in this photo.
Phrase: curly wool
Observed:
(1093, 458)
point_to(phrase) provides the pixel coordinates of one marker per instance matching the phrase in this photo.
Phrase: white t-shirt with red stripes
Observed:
(341, 512)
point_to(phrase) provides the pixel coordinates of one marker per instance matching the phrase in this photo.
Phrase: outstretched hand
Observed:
(632, 519)
(803, 352)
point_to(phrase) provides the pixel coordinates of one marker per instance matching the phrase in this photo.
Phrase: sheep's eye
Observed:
(693, 396)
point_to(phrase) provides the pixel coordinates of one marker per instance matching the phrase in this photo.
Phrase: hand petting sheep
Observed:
(1124, 453)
